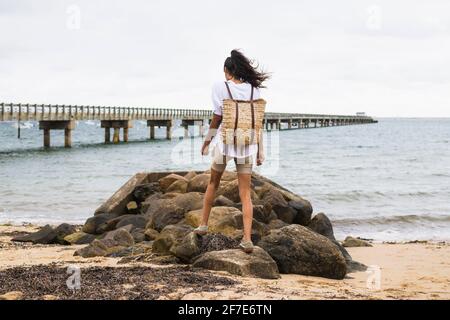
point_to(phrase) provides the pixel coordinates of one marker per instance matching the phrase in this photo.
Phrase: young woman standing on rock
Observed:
(242, 80)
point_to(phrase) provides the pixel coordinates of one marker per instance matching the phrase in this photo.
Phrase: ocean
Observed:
(388, 181)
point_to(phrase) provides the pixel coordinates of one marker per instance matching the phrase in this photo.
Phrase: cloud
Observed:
(386, 58)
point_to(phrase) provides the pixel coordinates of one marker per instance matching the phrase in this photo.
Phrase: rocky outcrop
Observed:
(155, 213)
(297, 249)
(257, 264)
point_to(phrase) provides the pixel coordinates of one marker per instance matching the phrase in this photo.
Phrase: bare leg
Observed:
(244, 180)
(210, 194)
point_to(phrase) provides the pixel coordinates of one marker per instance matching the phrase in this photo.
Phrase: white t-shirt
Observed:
(241, 91)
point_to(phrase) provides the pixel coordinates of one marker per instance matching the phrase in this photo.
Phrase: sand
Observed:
(399, 271)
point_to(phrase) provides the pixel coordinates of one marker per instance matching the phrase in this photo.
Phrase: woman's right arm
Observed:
(215, 123)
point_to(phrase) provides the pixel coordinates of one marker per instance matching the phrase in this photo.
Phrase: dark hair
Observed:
(240, 67)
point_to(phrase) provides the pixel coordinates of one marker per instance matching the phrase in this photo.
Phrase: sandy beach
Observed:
(419, 270)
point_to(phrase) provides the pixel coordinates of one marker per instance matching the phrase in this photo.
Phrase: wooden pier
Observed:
(64, 117)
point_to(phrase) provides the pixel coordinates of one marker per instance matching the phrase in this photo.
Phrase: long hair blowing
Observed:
(244, 69)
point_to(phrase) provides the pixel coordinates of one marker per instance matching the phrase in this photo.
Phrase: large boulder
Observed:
(276, 224)
(194, 217)
(199, 183)
(303, 210)
(169, 236)
(297, 249)
(45, 235)
(92, 225)
(273, 199)
(166, 181)
(256, 264)
(322, 225)
(62, 231)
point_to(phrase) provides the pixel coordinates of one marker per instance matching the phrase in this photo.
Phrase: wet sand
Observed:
(405, 271)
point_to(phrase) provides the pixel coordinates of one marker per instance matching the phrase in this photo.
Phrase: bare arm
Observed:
(212, 131)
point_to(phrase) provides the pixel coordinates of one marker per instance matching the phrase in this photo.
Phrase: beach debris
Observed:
(297, 249)
(217, 242)
(111, 283)
(12, 295)
(355, 242)
(257, 264)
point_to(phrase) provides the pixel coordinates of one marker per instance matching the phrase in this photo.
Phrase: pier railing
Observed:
(46, 112)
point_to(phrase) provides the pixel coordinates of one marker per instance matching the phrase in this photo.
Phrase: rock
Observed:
(179, 186)
(303, 210)
(217, 242)
(115, 241)
(92, 224)
(199, 183)
(143, 191)
(45, 235)
(116, 204)
(62, 231)
(239, 234)
(170, 235)
(273, 199)
(12, 295)
(138, 235)
(187, 249)
(168, 214)
(262, 213)
(188, 176)
(121, 236)
(230, 190)
(257, 264)
(132, 207)
(297, 249)
(137, 221)
(95, 249)
(229, 175)
(79, 238)
(322, 225)
(49, 297)
(166, 211)
(151, 234)
(222, 201)
(355, 242)
(166, 181)
(277, 224)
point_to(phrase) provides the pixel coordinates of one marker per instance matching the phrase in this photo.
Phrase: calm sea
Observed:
(385, 181)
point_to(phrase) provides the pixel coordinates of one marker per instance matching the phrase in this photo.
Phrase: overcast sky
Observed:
(387, 58)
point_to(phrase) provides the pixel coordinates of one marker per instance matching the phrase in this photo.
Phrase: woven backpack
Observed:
(242, 120)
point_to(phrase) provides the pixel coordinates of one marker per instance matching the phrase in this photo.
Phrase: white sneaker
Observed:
(201, 230)
(246, 246)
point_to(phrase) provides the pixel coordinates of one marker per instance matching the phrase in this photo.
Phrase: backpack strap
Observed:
(237, 112)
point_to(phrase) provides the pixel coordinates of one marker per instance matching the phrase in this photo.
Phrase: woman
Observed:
(240, 77)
